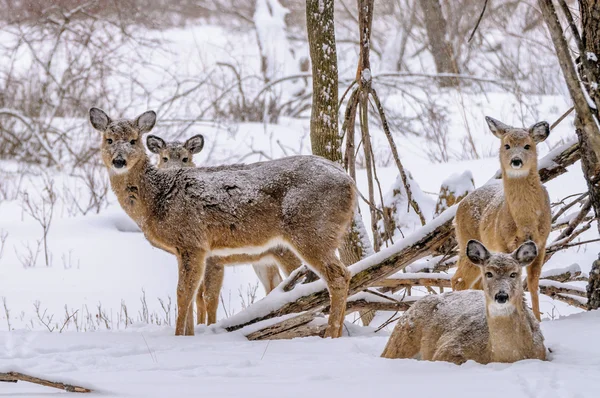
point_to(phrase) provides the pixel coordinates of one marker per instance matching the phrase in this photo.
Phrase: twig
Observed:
(13, 377)
(478, 21)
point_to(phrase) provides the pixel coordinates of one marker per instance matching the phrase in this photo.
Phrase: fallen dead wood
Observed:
(574, 301)
(303, 326)
(13, 377)
(405, 280)
(551, 288)
(424, 241)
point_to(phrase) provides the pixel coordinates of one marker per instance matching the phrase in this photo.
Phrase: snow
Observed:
(573, 269)
(150, 362)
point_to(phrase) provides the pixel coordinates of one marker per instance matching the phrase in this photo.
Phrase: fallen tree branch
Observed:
(13, 377)
(551, 288)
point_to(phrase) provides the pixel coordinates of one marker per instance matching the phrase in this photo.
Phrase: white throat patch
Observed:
(516, 173)
(115, 171)
(498, 310)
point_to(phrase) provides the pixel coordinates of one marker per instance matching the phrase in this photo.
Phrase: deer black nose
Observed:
(119, 163)
(501, 297)
(516, 162)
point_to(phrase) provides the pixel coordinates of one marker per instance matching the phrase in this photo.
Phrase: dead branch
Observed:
(550, 288)
(570, 300)
(13, 377)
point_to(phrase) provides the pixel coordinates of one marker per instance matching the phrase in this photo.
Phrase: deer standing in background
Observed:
(175, 155)
(493, 325)
(504, 216)
(302, 203)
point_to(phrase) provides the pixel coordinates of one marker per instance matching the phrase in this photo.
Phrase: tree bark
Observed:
(586, 96)
(325, 138)
(441, 49)
(590, 20)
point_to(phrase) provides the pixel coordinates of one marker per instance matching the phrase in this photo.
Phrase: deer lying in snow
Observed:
(302, 203)
(175, 155)
(493, 325)
(504, 216)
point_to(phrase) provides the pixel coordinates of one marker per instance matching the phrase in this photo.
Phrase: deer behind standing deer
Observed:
(493, 325)
(302, 203)
(175, 154)
(504, 216)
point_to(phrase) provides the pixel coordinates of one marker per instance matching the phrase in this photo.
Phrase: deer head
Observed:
(175, 154)
(501, 274)
(518, 153)
(122, 147)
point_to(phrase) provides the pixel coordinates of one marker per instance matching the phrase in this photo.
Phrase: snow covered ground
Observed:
(150, 362)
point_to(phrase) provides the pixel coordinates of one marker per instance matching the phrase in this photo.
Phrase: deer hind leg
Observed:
(533, 282)
(287, 260)
(201, 304)
(467, 276)
(405, 341)
(213, 282)
(269, 276)
(337, 278)
(191, 272)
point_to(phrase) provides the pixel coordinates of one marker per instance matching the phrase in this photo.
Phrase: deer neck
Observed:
(133, 189)
(523, 195)
(510, 333)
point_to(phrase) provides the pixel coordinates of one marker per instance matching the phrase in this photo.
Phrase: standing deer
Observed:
(504, 216)
(177, 155)
(493, 325)
(302, 203)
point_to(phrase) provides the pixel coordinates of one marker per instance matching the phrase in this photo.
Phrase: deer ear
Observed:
(195, 144)
(526, 253)
(539, 131)
(476, 252)
(496, 126)
(145, 122)
(99, 119)
(155, 144)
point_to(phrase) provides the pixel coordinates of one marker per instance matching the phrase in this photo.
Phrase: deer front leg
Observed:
(191, 273)
(533, 281)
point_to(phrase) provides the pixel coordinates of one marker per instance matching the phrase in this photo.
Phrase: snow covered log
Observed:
(453, 190)
(366, 273)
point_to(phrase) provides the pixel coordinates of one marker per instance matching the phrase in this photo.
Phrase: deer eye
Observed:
(507, 147)
(527, 147)
(165, 160)
(184, 160)
(109, 141)
(489, 275)
(513, 275)
(132, 142)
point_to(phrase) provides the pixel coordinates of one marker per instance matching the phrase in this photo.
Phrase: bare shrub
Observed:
(42, 212)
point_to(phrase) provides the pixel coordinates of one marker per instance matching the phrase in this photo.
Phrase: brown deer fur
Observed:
(493, 325)
(176, 154)
(504, 216)
(304, 203)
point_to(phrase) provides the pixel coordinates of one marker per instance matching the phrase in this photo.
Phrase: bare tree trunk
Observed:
(325, 138)
(441, 49)
(586, 97)
(590, 140)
